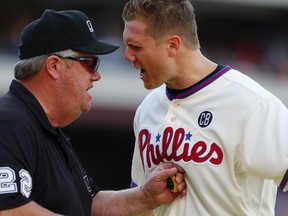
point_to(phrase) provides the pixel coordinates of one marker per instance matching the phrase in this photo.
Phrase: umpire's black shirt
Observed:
(37, 161)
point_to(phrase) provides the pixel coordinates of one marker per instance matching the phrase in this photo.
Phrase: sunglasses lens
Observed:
(96, 62)
(92, 63)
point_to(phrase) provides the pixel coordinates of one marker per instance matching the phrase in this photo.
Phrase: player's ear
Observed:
(52, 66)
(174, 42)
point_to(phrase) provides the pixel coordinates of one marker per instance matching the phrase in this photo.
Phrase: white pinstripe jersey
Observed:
(228, 133)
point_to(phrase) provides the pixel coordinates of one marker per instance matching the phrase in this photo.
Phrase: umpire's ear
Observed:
(53, 66)
(174, 43)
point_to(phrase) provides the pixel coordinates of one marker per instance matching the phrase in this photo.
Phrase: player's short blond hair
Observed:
(165, 17)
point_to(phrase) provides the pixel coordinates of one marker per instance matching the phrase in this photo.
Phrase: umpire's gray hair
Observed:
(27, 68)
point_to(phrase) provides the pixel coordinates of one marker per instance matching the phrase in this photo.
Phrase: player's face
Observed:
(145, 54)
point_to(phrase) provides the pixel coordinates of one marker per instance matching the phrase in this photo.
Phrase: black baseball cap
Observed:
(60, 30)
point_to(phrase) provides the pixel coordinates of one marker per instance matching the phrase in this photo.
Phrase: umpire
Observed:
(40, 174)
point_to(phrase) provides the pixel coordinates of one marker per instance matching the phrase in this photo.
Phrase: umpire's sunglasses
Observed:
(92, 62)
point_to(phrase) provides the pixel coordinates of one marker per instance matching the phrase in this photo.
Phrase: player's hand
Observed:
(156, 189)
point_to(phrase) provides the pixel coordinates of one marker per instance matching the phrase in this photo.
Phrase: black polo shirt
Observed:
(37, 162)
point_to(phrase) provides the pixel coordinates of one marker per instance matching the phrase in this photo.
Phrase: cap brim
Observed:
(98, 47)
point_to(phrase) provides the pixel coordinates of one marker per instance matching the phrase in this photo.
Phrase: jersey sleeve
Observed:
(265, 151)
(16, 165)
(137, 172)
(138, 177)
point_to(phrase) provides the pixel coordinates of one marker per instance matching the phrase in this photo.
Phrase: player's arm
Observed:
(142, 199)
(29, 209)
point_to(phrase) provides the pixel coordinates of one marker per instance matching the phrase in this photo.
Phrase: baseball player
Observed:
(226, 131)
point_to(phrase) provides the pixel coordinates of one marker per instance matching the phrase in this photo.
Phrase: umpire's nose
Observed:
(96, 76)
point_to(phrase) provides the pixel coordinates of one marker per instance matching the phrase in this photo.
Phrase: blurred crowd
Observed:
(267, 57)
(256, 44)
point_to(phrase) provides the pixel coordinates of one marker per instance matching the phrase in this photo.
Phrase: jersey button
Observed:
(173, 119)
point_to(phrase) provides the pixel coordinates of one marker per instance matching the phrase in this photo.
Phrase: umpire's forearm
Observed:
(120, 203)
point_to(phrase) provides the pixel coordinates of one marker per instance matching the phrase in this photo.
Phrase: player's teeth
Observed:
(141, 74)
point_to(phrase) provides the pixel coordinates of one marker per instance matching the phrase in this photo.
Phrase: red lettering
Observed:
(167, 138)
(200, 152)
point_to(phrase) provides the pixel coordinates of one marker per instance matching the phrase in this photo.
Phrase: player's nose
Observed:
(129, 56)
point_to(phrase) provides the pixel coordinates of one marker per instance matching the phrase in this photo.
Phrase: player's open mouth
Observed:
(142, 73)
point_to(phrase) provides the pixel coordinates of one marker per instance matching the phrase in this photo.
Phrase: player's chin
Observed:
(150, 85)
